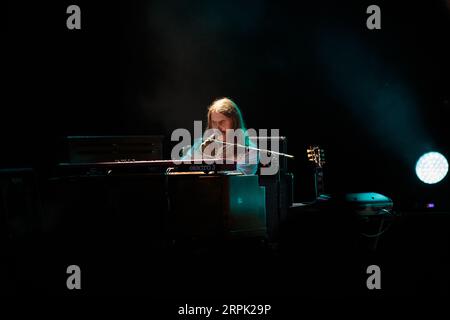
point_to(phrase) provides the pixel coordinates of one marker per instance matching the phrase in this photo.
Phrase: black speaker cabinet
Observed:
(19, 202)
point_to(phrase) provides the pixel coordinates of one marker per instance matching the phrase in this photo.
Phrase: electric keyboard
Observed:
(142, 167)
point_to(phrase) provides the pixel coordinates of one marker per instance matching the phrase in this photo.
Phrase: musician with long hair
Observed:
(225, 122)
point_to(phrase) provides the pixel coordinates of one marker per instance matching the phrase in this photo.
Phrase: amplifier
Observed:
(88, 149)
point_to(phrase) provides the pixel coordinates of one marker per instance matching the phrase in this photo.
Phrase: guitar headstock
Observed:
(316, 155)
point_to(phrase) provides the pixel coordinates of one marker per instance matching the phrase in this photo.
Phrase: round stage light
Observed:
(431, 167)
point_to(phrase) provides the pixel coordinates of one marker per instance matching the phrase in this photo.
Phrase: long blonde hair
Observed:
(228, 108)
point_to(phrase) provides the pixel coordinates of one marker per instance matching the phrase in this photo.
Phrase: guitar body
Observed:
(316, 156)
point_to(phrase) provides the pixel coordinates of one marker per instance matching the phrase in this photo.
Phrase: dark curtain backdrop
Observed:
(375, 100)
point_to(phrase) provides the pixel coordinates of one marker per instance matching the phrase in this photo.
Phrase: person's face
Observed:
(221, 122)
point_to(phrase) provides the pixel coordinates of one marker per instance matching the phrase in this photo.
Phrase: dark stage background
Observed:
(375, 100)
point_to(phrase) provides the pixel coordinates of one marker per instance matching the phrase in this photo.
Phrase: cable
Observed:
(381, 225)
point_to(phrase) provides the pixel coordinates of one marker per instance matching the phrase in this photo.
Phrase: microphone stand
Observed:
(252, 148)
